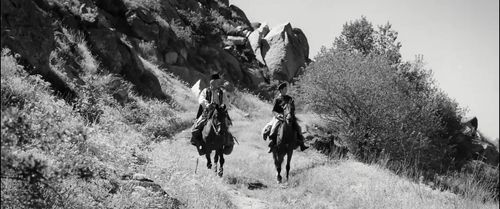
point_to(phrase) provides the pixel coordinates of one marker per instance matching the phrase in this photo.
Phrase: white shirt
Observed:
(215, 97)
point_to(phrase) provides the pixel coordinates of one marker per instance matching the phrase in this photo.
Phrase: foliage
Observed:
(360, 37)
(376, 110)
(154, 5)
(78, 8)
(183, 32)
(148, 50)
(356, 36)
(205, 28)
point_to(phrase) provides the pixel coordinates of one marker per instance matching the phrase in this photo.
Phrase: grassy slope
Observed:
(315, 181)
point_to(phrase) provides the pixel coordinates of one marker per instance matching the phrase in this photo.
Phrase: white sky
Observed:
(458, 38)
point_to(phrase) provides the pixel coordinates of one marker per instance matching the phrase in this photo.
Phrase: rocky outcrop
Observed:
(119, 57)
(469, 145)
(119, 33)
(283, 52)
(255, 41)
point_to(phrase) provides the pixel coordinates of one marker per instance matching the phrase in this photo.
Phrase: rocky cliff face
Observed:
(189, 38)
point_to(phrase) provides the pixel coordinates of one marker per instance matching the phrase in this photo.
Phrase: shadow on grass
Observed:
(249, 183)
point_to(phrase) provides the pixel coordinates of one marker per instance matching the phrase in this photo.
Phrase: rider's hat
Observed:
(282, 86)
(214, 76)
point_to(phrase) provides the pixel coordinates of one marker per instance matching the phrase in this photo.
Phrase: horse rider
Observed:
(278, 110)
(209, 99)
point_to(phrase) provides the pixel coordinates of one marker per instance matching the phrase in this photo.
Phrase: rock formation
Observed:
(190, 39)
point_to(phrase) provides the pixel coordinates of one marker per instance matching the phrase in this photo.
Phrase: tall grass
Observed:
(67, 155)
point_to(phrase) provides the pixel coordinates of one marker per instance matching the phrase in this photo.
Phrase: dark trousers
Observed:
(296, 127)
(196, 138)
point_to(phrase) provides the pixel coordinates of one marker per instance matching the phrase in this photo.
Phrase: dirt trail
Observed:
(239, 198)
(249, 174)
(243, 201)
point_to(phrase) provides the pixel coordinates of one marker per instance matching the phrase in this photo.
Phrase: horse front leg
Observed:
(278, 160)
(209, 162)
(216, 160)
(220, 153)
(288, 159)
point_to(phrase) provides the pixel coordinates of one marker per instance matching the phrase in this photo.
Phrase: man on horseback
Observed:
(278, 110)
(209, 99)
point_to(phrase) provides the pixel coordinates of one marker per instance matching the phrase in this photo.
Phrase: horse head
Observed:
(289, 113)
(219, 119)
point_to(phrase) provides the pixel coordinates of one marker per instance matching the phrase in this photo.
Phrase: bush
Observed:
(182, 32)
(205, 28)
(36, 138)
(148, 50)
(377, 110)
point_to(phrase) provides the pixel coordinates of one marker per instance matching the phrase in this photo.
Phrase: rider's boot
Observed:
(196, 141)
(301, 143)
(265, 135)
(272, 143)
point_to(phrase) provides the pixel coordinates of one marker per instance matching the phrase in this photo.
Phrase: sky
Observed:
(459, 40)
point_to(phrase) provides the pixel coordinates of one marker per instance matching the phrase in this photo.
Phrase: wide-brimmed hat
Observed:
(214, 76)
(282, 86)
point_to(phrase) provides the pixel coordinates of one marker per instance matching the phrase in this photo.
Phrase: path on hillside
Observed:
(238, 198)
(249, 164)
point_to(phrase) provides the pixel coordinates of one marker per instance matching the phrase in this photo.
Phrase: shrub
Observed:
(148, 50)
(205, 28)
(378, 111)
(183, 32)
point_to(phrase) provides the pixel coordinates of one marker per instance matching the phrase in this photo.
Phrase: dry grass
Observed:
(315, 181)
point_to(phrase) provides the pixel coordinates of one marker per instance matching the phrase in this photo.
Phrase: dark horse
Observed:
(215, 134)
(286, 141)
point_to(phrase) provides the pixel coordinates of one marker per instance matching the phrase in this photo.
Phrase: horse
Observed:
(214, 135)
(286, 141)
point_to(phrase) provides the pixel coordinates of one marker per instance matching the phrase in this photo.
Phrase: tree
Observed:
(360, 37)
(356, 36)
(385, 43)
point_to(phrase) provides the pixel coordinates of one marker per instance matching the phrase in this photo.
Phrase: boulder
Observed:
(171, 57)
(469, 145)
(237, 40)
(224, 2)
(168, 11)
(184, 53)
(189, 75)
(255, 41)
(114, 7)
(256, 76)
(230, 66)
(187, 5)
(283, 53)
(255, 25)
(302, 41)
(143, 24)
